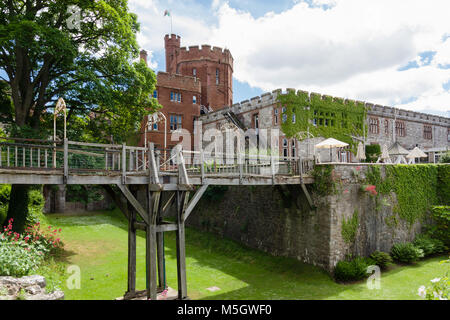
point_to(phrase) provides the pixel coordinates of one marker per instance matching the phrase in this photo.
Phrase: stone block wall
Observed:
(278, 220)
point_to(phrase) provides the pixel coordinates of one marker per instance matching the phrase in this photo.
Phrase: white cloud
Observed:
(353, 49)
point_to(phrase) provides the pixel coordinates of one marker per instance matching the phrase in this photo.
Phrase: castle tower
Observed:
(212, 65)
(171, 45)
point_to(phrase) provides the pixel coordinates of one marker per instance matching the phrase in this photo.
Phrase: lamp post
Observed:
(153, 119)
(60, 106)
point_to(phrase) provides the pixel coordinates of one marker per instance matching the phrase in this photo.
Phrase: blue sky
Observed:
(379, 51)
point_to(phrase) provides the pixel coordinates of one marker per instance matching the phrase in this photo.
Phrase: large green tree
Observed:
(82, 50)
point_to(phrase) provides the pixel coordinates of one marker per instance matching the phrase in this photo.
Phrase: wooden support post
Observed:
(66, 160)
(182, 198)
(124, 164)
(160, 252)
(202, 164)
(131, 250)
(151, 263)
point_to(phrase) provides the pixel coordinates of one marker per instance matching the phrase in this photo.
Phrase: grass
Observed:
(97, 243)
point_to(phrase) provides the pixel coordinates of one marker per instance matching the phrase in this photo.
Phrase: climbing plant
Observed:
(414, 185)
(350, 227)
(324, 183)
(322, 117)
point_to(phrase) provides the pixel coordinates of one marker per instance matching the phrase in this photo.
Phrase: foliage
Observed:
(352, 270)
(373, 151)
(91, 67)
(83, 193)
(333, 117)
(17, 260)
(440, 226)
(406, 252)
(350, 227)
(415, 187)
(323, 180)
(22, 253)
(439, 288)
(443, 177)
(382, 259)
(215, 193)
(429, 245)
(445, 158)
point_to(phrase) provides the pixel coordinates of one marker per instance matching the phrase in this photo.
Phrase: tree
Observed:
(81, 50)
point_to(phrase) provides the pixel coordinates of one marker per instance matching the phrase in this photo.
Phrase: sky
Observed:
(388, 52)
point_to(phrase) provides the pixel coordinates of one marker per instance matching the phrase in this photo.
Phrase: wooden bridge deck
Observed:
(184, 176)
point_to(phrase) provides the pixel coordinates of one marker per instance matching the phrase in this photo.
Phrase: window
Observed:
(285, 148)
(275, 114)
(448, 134)
(284, 116)
(194, 99)
(400, 129)
(155, 127)
(155, 94)
(386, 127)
(217, 76)
(427, 132)
(294, 118)
(175, 122)
(175, 96)
(194, 72)
(256, 121)
(374, 125)
(293, 148)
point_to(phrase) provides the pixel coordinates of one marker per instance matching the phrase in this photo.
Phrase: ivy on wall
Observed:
(416, 188)
(324, 184)
(350, 227)
(323, 116)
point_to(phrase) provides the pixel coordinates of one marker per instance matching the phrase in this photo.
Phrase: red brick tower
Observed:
(213, 66)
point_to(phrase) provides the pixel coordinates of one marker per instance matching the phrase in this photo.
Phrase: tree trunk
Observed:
(18, 207)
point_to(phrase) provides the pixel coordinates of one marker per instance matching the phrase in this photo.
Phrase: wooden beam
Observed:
(308, 197)
(182, 198)
(153, 207)
(131, 251)
(140, 210)
(195, 199)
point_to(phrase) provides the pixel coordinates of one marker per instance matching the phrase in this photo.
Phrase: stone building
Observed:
(197, 80)
(197, 85)
(385, 125)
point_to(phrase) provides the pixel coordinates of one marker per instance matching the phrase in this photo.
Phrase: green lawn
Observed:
(97, 243)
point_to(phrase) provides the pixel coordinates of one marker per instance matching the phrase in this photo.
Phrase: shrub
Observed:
(17, 260)
(352, 270)
(382, 259)
(440, 227)
(406, 252)
(429, 245)
(424, 243)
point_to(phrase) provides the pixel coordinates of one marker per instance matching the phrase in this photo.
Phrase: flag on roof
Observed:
(166, 13)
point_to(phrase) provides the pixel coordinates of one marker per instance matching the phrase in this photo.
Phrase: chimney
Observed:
(143, 55)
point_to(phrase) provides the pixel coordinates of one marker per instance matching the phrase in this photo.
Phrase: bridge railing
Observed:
(78, 157)
(201, 163)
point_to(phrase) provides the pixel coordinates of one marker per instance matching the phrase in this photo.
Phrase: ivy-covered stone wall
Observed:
(357, 210)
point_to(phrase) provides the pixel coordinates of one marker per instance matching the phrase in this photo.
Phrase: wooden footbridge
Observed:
(181, 177)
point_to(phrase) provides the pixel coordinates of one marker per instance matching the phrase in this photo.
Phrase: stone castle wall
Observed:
(280, 222)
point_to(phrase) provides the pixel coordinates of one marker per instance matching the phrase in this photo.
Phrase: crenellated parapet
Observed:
(205, 52)
(271, 98)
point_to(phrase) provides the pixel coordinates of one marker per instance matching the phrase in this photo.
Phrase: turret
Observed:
(171, 44)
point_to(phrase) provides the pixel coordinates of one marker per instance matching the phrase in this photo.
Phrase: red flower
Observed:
(370, 188)
(358, 168)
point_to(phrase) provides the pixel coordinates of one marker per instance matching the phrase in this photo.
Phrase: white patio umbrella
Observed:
(360, 154)
(331, 143)
(396, 150)
(384, 155)
(415, 153)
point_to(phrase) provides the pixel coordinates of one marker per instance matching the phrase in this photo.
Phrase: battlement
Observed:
(270, 98)
(205, 51)
(172, 37)
(178, 81)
